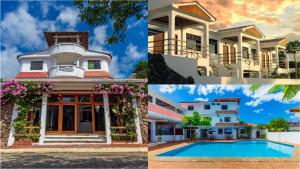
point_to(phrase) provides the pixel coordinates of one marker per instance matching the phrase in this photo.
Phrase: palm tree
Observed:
(293, 47)
(289, 91)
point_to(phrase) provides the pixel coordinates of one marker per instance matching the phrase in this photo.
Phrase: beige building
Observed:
(184, 30)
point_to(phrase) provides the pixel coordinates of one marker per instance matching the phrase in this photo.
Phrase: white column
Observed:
(11, 138)
(153, 132)
(55, 38)
(258, 55)
(43, 119)
(137, 122)
(181, 40)
(206, 40)
(239, 55)
(171, 30)
(107, 119)
(77, 62)
(277, 55)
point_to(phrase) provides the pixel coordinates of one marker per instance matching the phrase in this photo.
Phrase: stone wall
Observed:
(143, 110)
(6, 113)
(160, 73)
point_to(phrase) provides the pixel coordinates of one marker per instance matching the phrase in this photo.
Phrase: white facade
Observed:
(183, 30)
(224, 113)
(65, 59)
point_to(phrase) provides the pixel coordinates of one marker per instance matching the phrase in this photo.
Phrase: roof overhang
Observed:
(78, 85)
(196, 9)
(84, 37)
(251, 30)
(295, 110)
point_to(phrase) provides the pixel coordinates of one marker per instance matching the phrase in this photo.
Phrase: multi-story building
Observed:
(75, 112)
(166, 119)
(183, 30)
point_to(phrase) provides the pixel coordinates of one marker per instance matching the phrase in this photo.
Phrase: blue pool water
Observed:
(238, 149)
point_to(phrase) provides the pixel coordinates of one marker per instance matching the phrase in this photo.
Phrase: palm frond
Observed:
(276, 88)
(254, 87)
(290, 91)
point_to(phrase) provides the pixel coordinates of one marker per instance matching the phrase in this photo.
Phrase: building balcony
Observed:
(66, 71)
(67, 48)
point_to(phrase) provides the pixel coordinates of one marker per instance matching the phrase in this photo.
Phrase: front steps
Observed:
(73, 139)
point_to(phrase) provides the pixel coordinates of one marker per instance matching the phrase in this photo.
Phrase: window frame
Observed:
(190, 107)
(37, 61)
(93, 62)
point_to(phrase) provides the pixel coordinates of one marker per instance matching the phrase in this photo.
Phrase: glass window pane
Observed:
(52, 118)
(36, 65)
(68, 99)
(99, 118)
(85, 98)
(53, 98)
(94, 64)
(98, 98)
(68, 117)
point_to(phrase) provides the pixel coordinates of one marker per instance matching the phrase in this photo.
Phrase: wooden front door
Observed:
(225, 55)
(233, 55)
(158, 44)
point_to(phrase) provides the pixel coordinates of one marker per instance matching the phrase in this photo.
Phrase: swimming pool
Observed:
(238, 149)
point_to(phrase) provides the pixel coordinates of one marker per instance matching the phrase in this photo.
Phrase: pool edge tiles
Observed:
(272, 150)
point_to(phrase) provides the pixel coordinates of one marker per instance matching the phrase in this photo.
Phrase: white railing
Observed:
(67, 48)
(66, 71)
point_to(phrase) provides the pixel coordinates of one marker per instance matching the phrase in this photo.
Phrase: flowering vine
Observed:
(26, 95)
(122, 104)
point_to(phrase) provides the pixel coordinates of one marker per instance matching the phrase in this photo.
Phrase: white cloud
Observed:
(200, 99)
(9, 64)
(167, 88)
(115, 68)
(21, 29)
(258, 110)
(218, 89)
(261, 96)
(69, 16)
(133, 53)
(44, 8)
(98, 40)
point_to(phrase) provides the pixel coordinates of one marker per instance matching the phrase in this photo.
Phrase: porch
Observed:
(82, 116)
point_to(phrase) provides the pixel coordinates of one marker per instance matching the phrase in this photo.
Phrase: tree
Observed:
(278, 125)
(141, 70)
(105, 11)
(196, 120)
(289, 91)
(293, 47)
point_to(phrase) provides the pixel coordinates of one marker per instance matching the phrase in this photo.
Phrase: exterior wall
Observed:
(286, 137)
(199, 106)
(25, 64)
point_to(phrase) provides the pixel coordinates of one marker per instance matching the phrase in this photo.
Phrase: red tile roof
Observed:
(97, 74)
(22, 75)
(226, 112)
(233, 124)
(227, 100)
(163, 111)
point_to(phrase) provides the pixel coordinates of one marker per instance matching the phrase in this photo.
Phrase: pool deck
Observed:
(217, 163)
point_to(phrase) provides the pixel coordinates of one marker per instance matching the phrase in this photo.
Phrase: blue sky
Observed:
(257, 107)
(23, 24)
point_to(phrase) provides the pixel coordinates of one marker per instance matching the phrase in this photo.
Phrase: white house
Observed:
(75, 112)
(183, 29)
(165, 119)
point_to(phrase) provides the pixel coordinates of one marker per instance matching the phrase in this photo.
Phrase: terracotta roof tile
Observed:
(97, 74)
(226, 112)
(163, 111)
(22, 75)
(233, 124)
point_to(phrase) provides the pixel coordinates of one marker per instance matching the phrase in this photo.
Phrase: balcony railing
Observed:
(177, 47)
(66, 71)
(67, 48)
